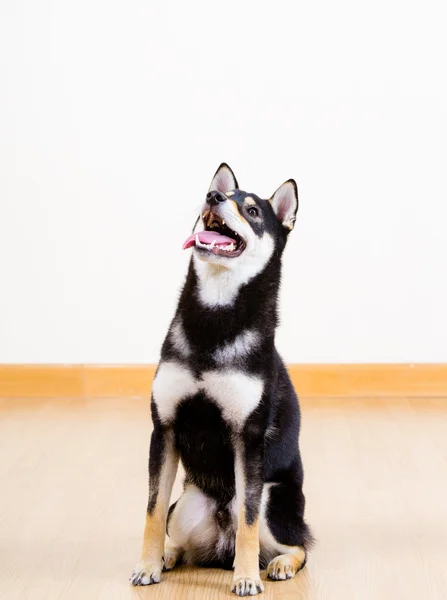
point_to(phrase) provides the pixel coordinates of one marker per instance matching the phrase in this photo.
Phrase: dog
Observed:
(223, 403)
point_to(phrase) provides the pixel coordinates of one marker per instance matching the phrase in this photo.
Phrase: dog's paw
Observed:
(247, 586)
(285, 566)
(169, 560)
(145, 574)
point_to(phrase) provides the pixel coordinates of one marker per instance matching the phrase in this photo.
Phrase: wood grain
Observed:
(310, 381)
(73, 491)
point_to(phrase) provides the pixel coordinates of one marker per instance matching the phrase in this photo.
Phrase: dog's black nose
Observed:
(214, 198)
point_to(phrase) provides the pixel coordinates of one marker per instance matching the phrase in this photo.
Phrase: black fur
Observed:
(207, 458)
(156, 456)
(269, 439)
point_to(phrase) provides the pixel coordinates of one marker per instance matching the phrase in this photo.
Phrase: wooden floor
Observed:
(73, 494)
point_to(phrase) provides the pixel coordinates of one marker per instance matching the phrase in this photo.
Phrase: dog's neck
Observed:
(218, 286)
(223, 303)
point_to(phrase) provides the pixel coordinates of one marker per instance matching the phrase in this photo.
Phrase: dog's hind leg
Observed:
(284, 535)
(191, 528)
(172, 555)
(285, 566)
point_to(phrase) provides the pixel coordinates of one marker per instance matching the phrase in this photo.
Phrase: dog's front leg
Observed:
(249, 484)
(163, 462)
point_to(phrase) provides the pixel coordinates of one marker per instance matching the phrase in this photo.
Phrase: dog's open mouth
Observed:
(217, 238)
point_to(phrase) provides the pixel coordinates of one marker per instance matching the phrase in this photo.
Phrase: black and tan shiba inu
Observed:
(223, 403)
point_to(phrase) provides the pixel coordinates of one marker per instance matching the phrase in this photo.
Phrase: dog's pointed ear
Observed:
(285, 203)
(224, 180)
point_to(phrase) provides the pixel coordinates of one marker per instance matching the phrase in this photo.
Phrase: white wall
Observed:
(114, 116)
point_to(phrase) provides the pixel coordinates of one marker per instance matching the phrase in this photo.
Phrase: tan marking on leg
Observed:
(286, 565)
(246, 579)
(153, 544)
(149, 567)
(246, 562)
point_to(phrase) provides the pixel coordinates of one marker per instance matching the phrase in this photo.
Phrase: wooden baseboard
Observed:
(371, 380)
(118, 380)
(38, 381)
(310, 381)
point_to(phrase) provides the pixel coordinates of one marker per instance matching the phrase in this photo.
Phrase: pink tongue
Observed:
(207, 237)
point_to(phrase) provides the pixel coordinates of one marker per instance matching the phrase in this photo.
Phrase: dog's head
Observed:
(239, 229)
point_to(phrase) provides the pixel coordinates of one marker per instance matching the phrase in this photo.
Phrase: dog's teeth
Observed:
(213, 244)
(197, 240)
(223, 222)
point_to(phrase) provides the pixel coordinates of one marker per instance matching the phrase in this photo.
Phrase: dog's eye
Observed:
(253, 211)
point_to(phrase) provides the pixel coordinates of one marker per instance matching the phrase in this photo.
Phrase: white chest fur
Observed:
(236, 393)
